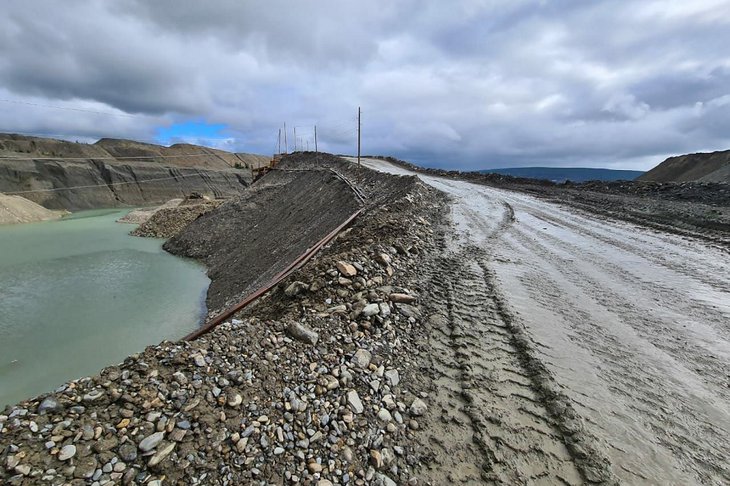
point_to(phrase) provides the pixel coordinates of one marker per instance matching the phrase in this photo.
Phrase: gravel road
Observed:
(579, 348)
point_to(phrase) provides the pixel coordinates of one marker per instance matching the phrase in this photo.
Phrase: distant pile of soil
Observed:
(17, 209)
(703, 167)
(140, 216)
(170, 221)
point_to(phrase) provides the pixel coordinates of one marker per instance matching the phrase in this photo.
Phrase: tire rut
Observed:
(522, 431)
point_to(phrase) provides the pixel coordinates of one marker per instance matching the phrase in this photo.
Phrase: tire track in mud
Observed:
(622, 325)
(499, 398)
(675, 424)
(606, 291)
(622, 239)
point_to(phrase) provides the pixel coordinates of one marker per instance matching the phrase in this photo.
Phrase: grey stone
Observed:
(161, 454)
(418, 407)
(296, 288)
(302, 333)
(94, 395)
(383, 480)
(353, 399)
(384, 309)
(151, 441)
(384, 415)
(362, 358)
(392, 377)
(85, 468)
(370, 310)
(128, 452)
(409, 311)
(67, 452)
(49, 404)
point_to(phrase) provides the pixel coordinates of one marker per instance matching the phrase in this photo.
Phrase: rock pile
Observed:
(170, 221)
(315, 384)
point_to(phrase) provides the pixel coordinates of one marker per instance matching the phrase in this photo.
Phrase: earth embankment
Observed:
(705, 167)
(247, 241)
(318, 383)
(111, 173)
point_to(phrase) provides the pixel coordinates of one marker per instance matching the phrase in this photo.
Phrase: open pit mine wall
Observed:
(101, 184)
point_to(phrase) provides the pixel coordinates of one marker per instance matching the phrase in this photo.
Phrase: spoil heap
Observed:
(317, 383)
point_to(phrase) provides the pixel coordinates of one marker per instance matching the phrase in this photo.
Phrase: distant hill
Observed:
(702, 167)
(58, 174)
(126, 151)
(574, 174)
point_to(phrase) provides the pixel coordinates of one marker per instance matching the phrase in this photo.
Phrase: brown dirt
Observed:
(17, 209)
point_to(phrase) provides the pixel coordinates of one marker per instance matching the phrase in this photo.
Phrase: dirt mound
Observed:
(139, 216)
(16, 209)
(170, 221)
(706, 167)
(248, 240)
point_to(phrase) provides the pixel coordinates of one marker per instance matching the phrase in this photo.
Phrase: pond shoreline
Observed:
(81, 293)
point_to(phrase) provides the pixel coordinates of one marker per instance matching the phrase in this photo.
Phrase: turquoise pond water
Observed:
(79, 294)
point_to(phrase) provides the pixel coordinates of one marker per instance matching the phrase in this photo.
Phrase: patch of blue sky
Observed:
(193, 131)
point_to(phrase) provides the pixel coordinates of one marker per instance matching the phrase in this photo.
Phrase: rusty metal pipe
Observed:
(297, 263)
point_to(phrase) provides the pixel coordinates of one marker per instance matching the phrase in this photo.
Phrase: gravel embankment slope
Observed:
(317, 383)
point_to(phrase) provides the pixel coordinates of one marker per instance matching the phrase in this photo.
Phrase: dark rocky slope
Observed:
(248, 240)
(702, 167)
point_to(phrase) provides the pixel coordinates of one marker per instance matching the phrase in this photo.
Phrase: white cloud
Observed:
(469, 83)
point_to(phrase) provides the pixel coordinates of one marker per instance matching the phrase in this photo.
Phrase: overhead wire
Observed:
(124, 115)
(54, 189)
(91, 157)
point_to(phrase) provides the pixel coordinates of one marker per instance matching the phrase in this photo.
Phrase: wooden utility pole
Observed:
(316, 150)
(278, 150)
(358, 136)
(295, 139)
(286, 144)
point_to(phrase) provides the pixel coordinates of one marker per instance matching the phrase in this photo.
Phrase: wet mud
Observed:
(571, 348)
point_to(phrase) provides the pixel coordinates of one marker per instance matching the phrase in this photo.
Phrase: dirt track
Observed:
(573, 348)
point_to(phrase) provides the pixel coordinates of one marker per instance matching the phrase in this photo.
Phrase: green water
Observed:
(80, 293)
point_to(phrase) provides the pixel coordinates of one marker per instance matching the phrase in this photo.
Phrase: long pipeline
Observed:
(296, 264)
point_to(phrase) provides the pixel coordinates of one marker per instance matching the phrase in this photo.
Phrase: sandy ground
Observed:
(17, 209)
(577, 348)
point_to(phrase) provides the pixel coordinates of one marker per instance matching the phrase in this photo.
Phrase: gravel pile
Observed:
(139, 216)
(170, 221)
(315, 384)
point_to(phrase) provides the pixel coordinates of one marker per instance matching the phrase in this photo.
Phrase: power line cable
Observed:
(103, 185)
(91, 157)
(124, 115)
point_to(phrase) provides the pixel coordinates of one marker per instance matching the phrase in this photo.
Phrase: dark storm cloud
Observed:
(470, 83)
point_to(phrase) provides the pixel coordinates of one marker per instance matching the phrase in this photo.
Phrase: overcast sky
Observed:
(458, 83)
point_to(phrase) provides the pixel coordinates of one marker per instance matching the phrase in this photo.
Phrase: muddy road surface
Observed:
(575, 349)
